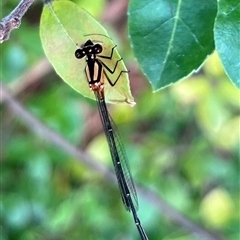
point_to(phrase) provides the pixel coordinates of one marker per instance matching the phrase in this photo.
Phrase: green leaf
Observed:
(95, 9)
(171, 39)
(227, 38)
(65, 27)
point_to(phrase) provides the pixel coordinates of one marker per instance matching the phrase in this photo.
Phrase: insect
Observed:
(104, 70)
(96, 72)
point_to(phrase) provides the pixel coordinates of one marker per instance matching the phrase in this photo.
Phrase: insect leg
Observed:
(109, 80)
(108, 57)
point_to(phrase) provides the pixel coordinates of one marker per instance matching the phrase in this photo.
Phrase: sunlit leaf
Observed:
(227, 38)
(62, 32)
(217, 207)
(171, 39)
(95, 9)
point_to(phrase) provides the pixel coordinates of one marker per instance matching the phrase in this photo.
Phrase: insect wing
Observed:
(125, 166)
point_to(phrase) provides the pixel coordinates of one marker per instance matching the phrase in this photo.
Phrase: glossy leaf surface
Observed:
(227, 38)
(171, 39)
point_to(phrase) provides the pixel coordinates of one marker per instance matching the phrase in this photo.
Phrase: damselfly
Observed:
(96, 72)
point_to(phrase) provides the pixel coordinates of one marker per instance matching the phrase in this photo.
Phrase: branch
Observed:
(54, 138)
(13, 20)
(31, 77)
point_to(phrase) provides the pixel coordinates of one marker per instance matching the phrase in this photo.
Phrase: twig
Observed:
(13, 20)
(32, 76)
(177, 217)
(40, 129)
(36, 126)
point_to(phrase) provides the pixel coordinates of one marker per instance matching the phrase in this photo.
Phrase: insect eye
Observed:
(79, 53)
(97, 48)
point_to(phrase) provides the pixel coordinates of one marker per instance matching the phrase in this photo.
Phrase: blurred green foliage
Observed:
(182, 142)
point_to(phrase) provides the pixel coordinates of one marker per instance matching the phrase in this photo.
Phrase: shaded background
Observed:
(182, 143)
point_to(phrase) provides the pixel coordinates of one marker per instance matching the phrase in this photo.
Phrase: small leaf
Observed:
(217, 208)
(227, 38)
(64, 28)
(171, 39)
